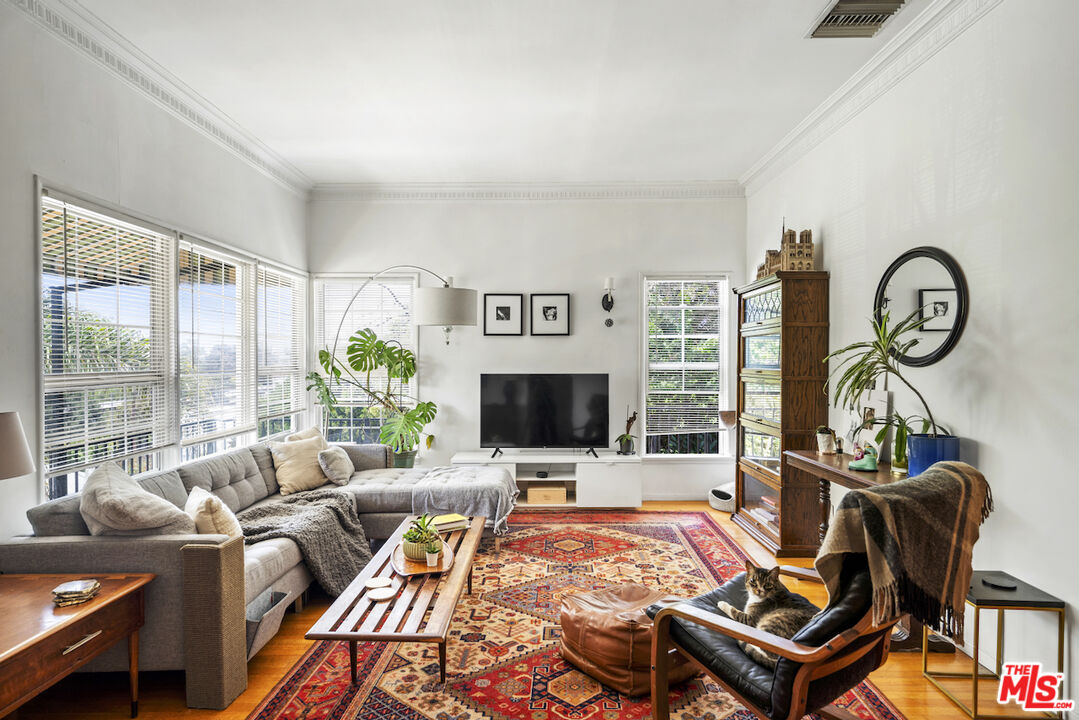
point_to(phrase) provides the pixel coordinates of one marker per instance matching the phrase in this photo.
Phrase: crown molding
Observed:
(86, 33)
(937, 26)
(525, 191)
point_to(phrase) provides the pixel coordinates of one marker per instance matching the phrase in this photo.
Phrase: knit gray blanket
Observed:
(325, 526)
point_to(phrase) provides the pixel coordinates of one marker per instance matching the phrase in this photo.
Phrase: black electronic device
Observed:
(533, 410)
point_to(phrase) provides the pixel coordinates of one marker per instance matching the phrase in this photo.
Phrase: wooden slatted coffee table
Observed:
(403, 618)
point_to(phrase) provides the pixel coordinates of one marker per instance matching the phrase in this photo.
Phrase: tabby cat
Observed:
(769, 607)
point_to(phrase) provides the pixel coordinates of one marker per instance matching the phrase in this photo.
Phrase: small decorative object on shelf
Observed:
(625, 440)
(865, 460)
(795, 253)
(825, 440)
(75, 592)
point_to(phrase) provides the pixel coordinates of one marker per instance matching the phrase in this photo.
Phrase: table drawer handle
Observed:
(80, 643)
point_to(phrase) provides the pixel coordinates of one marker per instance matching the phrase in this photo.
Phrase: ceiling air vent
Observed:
(856, 18)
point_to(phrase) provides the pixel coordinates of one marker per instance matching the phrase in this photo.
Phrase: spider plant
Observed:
(862, 364)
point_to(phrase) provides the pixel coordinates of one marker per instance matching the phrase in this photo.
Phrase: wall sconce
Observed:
(608, 299)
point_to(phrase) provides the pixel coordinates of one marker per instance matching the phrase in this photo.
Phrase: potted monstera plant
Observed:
(862, 364)
(404, 417)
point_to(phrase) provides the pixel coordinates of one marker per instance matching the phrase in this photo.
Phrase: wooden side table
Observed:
(40, 643)
(984, 597)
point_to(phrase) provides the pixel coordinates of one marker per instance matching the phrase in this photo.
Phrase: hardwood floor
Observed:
(104, 696)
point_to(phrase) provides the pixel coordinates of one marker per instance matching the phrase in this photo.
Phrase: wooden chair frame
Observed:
(837, 653)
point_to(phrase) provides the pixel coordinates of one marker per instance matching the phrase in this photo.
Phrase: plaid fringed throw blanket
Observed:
(918, 536)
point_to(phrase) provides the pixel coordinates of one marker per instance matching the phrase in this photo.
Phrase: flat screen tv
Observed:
(544, 411)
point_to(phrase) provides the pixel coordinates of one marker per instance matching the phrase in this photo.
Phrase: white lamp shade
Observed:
(444, 306)
(15, 457)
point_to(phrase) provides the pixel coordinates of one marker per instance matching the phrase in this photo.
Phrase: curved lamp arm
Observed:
(337, 336)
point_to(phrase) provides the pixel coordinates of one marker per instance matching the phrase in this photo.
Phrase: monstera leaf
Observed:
(364, 351)
(402, 431)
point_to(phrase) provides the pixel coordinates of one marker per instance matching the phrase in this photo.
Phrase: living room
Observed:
(582, 159)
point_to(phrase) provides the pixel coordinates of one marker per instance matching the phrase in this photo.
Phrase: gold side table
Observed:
(985, 597)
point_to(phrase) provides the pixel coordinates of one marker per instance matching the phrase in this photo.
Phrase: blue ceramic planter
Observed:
(924, 450)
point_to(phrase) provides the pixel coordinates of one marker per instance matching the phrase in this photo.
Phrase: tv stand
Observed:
(496, 453)
(591, 479)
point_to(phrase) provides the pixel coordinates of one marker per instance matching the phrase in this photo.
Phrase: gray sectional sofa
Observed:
(209, 588)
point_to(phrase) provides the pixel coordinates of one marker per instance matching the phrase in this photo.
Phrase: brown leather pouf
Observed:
(606, 634)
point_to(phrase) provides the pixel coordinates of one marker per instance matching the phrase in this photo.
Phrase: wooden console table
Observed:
(41, 643)
(833, 469)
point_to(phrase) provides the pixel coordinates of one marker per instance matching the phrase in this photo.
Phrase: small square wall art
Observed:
(550, 314)
(503, 314)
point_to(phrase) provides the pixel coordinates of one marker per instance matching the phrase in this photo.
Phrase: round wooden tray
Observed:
(406, 567)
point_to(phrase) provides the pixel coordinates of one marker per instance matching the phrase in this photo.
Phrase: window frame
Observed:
(168, 455)
(318, 342)
(726, 356)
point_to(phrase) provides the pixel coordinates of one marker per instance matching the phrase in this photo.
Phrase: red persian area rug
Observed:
(503, 659)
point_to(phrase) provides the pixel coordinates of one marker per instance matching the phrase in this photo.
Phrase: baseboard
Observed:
(676, 497)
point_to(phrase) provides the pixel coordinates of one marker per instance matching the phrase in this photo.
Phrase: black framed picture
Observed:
(939, 306)
(503, 314)
(550, 314)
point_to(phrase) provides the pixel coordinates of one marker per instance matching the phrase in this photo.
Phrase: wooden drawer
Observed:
(38, 666)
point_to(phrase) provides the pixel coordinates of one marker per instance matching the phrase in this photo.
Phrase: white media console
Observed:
(610, 480)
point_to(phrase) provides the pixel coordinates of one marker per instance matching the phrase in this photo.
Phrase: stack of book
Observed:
(449, 523)
(75, 592)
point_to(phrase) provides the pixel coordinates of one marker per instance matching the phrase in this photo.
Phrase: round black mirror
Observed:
(929, 281)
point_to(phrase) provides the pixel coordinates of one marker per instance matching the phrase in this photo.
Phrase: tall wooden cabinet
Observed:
(782, 340)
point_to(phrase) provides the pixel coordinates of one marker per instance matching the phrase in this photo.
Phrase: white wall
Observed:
(564, 246)
(81, 128)
(975, 152)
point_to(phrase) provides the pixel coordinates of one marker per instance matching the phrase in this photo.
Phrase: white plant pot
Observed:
(432, 558)
(826, 443)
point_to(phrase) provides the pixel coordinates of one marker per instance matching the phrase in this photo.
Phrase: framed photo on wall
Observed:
(940, 307)
(503, 314)
(550, 314)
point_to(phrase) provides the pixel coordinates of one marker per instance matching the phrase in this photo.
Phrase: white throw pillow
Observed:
(307, 435)
(211, 516)
(113, 503)
(296, 464)
(336, 464)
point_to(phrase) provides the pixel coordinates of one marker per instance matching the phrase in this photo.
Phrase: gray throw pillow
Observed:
(336, 464)
(113, 503)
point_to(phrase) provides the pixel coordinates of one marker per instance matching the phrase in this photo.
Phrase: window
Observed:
(282, 336)
(685, 373)
(157, 350)
(106, 343)
(385, 306)
(216, 323)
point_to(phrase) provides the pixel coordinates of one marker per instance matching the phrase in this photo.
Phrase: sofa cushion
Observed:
(385, 490)
(369, 456)
(211, 516)
(234, 477)
(113, 503)
(307, 434)
(265, 562)
(264, 462)
(336, 465)
(63, 516)
(58, 517)
(296, 464)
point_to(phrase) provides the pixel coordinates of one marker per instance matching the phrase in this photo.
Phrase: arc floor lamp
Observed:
(447, 306)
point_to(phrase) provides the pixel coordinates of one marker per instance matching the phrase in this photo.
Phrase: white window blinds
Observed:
(106, 341)
(217, 342)
(385, 306)
(282, 339)
(685, 385)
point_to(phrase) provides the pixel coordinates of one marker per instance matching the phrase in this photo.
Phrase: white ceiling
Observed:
(353, 91)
